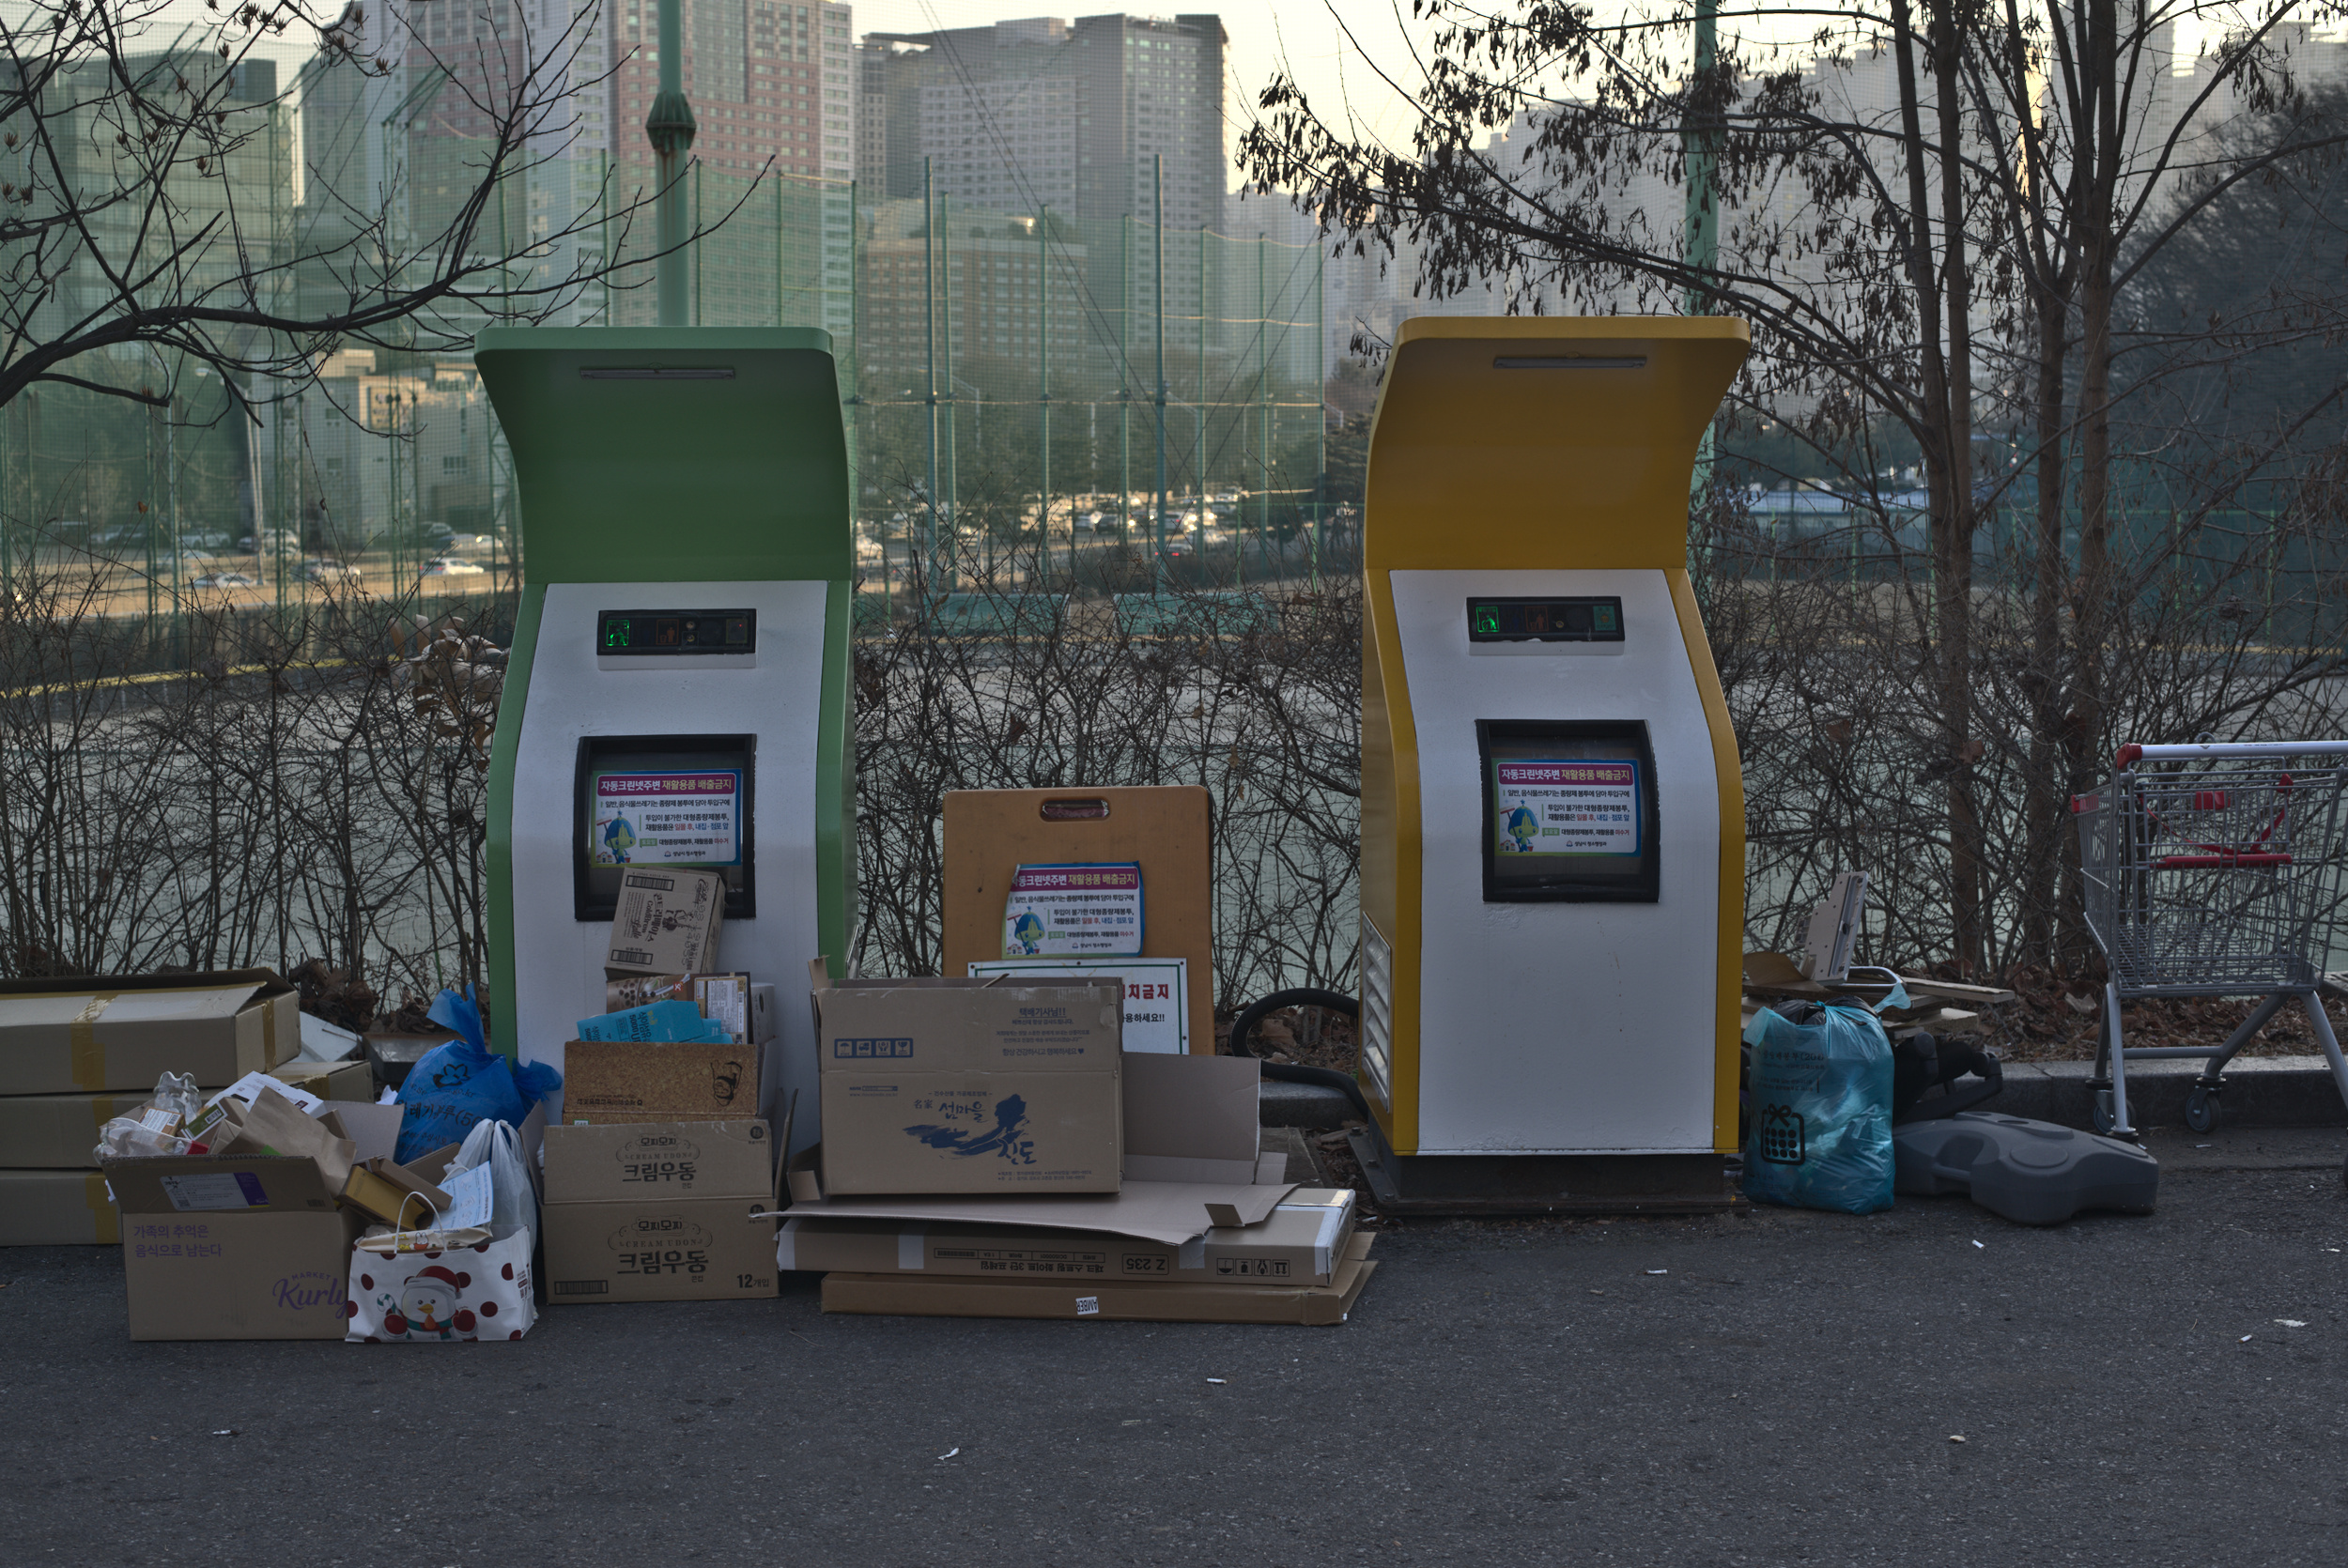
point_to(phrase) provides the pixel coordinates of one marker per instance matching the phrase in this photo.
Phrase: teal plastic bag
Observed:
(1821, 1108)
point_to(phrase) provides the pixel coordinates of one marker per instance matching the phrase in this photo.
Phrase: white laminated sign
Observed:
(1089, 909)
(1566, 806)
(1157, 994)
(667, 819)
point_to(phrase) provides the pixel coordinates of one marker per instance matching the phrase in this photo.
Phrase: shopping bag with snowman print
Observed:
(467, 1289)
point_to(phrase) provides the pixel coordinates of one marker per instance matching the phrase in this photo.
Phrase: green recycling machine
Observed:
(684, 497)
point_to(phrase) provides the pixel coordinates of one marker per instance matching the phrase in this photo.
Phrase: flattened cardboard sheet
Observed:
(925, 1296)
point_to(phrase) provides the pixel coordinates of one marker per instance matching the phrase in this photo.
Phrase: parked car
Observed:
(452, 543)
(206, 541)
(449, 566)
(276, 539)
(226, 579)
(330, 571)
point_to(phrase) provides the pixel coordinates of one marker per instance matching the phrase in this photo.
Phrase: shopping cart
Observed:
(2213, 870)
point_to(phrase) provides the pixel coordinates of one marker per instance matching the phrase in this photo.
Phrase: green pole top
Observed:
(673, 453)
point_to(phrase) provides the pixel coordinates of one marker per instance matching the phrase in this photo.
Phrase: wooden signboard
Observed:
(990, 832)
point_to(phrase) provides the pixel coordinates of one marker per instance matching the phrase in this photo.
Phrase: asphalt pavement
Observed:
(1927, 1386)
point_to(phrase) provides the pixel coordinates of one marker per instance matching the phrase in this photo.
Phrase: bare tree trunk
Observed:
(1953, 606)
(2049, 764)
(2084, 727)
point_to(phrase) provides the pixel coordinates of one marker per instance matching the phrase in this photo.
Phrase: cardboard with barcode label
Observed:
(123, 1032)
(942, 1085)
(635, 1162)
(610, 1082)
(660, 1249)
(1121, 1301)
(666, 923)
(1299, 1243)
(1164, 829)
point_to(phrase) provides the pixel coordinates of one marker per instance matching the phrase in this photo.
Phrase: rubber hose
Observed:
(1292, 1072)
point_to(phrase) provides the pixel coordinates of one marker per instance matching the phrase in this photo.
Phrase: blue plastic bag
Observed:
(455, 1085)
(1821, 1133)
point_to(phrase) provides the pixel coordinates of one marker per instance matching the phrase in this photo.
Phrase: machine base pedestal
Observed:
(1469, 1184)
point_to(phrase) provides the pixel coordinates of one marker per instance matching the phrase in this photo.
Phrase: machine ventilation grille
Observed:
(1377, 1013)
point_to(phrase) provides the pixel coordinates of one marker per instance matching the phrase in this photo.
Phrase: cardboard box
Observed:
(659, 1250)
(1299, 1243)
(55, 1131)
(233, 1249)
(1190, 1125)
(352, 1079)
(924, 1296)
(639, 1161)
(958, 1085)
(123, 1032)
(50, 1209)
(666, 923)
(609, 1082)
(396, 1194)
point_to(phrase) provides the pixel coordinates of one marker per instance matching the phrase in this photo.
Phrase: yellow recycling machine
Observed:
(1552, 814)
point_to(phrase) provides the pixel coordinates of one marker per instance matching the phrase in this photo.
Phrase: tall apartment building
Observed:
(766, 80)
(1044, 112)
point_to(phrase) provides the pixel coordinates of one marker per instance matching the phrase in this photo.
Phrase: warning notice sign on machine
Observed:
(666, 819)
(1566, 806)
(1077, 910)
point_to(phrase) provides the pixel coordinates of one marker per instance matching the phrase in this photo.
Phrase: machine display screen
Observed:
(1568, 812)
(1585, 618)
(632, 632)
(681, 800)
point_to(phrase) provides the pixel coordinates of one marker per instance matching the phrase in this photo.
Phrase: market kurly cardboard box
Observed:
(633, 1163)
(1217, 1301)
(658, 1249)
(607, 1082)
(55, 1209)
(233, 1249)
(1300, 1243)
(123, 1032)
(55, 1131)
(959, 1085)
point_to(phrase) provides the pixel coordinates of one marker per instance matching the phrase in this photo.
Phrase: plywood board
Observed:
(990, 832)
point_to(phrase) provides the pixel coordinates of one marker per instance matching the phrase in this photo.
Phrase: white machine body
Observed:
(1564, 1028)
(774, 693)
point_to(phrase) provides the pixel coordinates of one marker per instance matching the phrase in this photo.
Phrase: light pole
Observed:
(670, 129)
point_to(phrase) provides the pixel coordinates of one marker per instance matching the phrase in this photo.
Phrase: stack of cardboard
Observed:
(990, 1151)
(660, 1180)
(76, 1054)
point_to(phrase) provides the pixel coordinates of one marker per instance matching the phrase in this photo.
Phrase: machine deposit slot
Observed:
(638, 633)
(1520, 619)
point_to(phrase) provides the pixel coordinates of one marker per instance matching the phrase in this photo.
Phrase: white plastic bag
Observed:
(512, 1199)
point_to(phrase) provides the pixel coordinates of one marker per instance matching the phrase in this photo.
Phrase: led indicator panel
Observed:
(632, 632)
(1520, 620)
